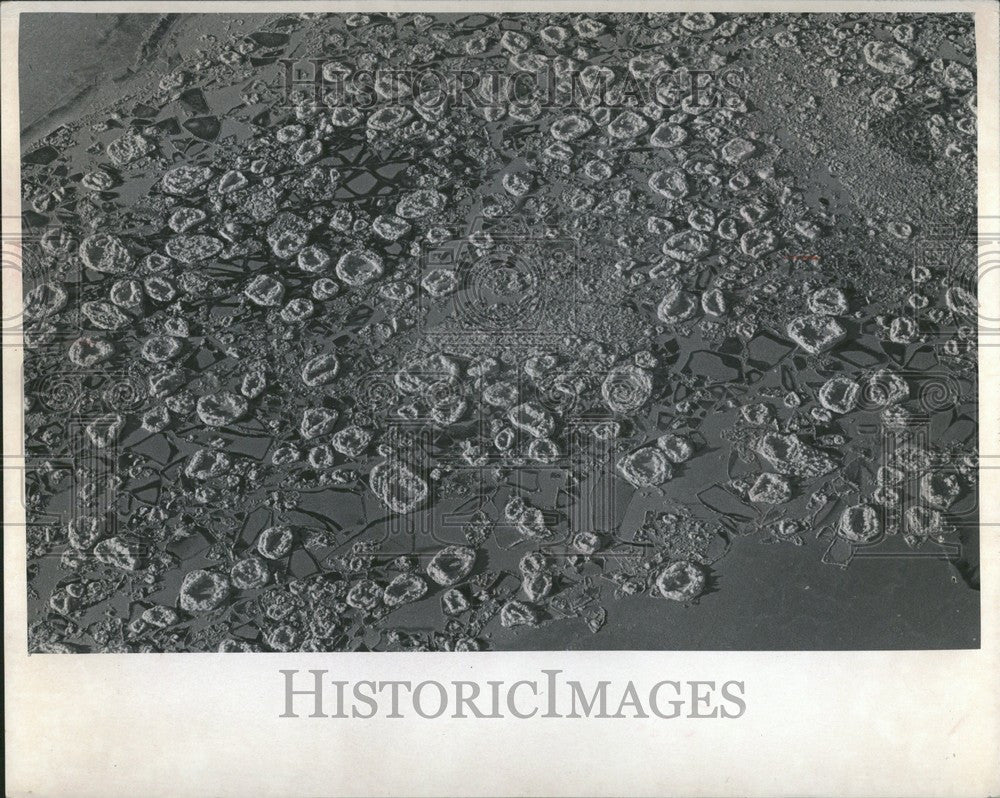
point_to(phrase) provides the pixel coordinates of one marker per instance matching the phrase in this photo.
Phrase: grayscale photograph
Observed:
(555, 331)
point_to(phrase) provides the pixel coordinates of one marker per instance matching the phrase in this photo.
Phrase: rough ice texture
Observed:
(306, 372)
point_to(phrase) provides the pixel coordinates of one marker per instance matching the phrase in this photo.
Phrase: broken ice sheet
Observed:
(446, 370)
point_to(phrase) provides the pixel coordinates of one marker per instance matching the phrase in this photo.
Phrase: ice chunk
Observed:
(399, 487)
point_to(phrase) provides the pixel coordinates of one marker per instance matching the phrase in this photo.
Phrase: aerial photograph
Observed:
(383, 332)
